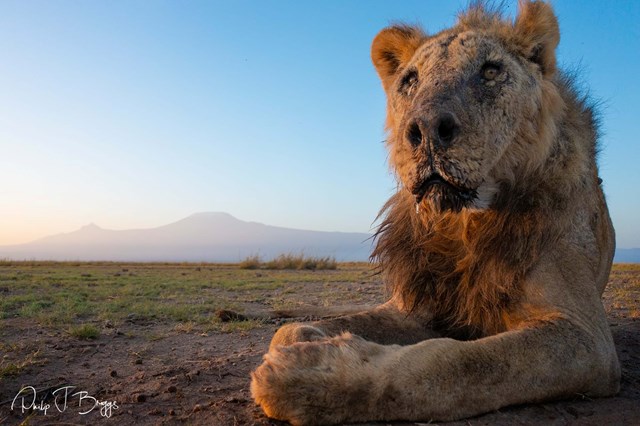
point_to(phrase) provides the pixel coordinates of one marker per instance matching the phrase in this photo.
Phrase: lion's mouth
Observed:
(444, 194)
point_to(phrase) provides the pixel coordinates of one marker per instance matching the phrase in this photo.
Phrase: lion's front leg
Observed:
(348, 379)
(385, 324)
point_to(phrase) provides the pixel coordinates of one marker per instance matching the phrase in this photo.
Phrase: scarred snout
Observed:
(438, 133)
(430, 139)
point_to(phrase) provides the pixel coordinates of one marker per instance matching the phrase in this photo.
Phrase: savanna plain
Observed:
(145, 344)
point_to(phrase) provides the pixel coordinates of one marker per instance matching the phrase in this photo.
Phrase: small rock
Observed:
(113, 373)
(197, 408)
(141, 397)
(172, 412)
(138, 361)
(172, 389)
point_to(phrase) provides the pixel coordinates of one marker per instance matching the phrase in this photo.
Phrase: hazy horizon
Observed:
(171, 222)
(204, 237)
(201, 237)
(132, 115)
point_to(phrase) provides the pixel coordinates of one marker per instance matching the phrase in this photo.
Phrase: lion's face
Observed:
(458, 102)
(456, 107)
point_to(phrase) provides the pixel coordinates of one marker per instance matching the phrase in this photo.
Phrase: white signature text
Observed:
(63, 398)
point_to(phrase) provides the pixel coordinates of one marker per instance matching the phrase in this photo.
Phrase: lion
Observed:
(495, 249)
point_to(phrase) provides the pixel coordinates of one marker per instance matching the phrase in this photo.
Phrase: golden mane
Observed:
(465, 266)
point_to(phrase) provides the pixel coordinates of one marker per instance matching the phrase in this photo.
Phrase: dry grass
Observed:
(622, 295)
(290, 261)
(13, 364)
(251, 262)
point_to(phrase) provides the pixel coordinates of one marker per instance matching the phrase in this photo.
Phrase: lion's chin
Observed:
(443, 195)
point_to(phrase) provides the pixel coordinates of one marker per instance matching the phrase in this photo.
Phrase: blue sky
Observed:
(133, 114)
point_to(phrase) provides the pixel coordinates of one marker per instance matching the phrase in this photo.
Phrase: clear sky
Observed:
(134, 114)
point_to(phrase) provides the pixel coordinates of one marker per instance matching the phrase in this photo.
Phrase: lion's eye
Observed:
(409, 82)
(490, 71)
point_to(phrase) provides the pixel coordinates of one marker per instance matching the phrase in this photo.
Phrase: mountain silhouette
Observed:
(202, 237)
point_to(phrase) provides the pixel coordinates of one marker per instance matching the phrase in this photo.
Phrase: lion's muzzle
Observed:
(443, 194)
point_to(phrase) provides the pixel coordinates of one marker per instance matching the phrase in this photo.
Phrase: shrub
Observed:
(299, 262)
(291, 262)
(251, 262)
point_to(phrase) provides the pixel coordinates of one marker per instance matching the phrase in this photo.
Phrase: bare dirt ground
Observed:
(149, 372)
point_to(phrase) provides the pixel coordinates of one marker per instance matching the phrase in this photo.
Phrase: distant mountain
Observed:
(205, 237)
(210, 237)
(631, 255)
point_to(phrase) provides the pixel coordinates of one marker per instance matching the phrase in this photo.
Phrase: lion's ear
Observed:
(393, 47)
(536, 29)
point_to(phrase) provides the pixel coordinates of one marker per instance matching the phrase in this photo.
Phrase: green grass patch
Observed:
(65, 294)
(85, 332)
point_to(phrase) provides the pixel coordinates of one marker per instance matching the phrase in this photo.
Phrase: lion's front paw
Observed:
(323, 382)
(294, 333)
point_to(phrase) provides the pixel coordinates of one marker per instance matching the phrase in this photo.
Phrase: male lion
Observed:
(496, 247)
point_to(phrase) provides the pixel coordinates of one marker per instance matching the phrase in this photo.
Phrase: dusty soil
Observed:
(147, 373)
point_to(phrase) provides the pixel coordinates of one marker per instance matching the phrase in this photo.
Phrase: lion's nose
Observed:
(442, 131)
(445, 129)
